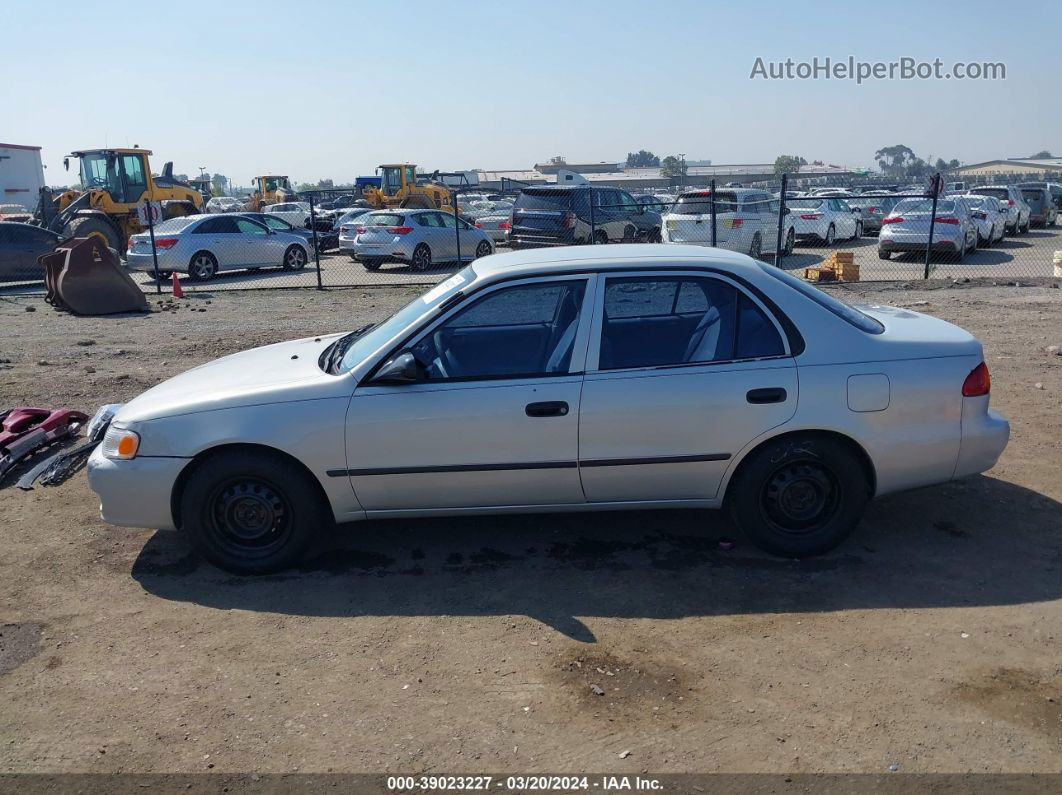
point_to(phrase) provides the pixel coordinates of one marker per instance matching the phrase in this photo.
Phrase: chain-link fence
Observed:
(420, 231)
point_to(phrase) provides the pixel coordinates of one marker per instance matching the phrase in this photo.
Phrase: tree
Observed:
(788, 164)
(558, 160)
(1043, 154)
(643, 158)
(895, 160)
(672, 166)
(219, 183)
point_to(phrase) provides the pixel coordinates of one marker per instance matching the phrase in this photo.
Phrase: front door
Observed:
(494, 419)
(689, 370)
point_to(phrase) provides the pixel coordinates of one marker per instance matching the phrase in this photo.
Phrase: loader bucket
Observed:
(84, 277)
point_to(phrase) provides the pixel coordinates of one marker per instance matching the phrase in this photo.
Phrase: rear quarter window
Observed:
(847, 313)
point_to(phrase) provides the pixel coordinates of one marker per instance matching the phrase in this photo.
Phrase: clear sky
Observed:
(331, 89)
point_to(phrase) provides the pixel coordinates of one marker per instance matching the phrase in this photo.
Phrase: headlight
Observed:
(120, 444)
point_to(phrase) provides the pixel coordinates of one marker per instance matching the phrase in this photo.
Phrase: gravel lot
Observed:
(929, 641)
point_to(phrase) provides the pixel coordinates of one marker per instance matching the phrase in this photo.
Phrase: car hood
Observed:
(271, 374)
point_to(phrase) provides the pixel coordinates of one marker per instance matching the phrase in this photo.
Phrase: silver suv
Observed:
(1018, 210)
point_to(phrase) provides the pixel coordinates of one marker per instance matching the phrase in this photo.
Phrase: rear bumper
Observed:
(911, 243)
(135, 493)
(984, 437)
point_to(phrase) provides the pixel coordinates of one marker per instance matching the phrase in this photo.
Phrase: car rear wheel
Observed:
(654, 235)
(371, 264)
(251, 513)
(883, 254)
(600, 237)
(831, 235)
(799, 496)
(756, 249)
(858, 230)
(421, 258)
(202, 267)
(790, 242)
(294, 258)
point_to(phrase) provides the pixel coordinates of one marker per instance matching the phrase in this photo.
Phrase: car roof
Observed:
(640, 256)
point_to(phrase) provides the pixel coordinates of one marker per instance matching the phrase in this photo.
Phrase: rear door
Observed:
(221, 236)
(683, 371)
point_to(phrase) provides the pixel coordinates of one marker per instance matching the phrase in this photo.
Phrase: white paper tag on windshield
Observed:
(444, 287)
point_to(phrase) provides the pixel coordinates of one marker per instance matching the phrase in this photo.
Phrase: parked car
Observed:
(421, 238)
(20, 245)
(203, 245)
(326, 240)
(295, 213)
(1042, 210)
(746, 220)
(1053, 187)
(224, 204)
(955, 187)
(825, 219)
(872, 209)
(906, 228)
(350, 215)
(497, 223)
(1017, 209)
(576, 379)
(560, 215)
(988, 216)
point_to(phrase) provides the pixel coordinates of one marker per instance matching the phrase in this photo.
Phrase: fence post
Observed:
(154, 253)
(457, 225)
(935, 187)
(316, 245)
(712, 195)
(593, 230)
(781, 220)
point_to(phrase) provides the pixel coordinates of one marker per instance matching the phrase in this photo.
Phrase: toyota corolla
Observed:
(566, 379)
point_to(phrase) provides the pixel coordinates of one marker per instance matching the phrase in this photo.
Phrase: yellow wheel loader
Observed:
(271, 189)
(400, 187)
(113, 183)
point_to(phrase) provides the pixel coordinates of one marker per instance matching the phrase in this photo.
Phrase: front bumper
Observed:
(135, 493)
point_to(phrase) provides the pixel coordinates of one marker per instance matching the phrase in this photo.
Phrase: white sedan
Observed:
(568, 379)
(825, 219)
(295, 213)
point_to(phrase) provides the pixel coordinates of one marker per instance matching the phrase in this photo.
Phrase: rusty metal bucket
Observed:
(83, 276)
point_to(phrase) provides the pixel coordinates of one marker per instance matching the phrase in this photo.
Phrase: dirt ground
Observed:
(930, 641)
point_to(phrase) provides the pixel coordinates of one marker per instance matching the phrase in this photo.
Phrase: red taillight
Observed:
(892, 220)
(360, 230)
(165, 242)
(948, 220)
(737, 222)
(504, 226)
(479, 225)
(399, 230)
(872, 210)
(812, 216)
(568, 220)
(130, 246)
(1010, 202)
(978, 382)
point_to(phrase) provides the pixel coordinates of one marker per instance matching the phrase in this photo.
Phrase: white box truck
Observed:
(21, 177)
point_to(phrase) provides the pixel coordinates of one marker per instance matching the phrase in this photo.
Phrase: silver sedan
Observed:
(566, 379)
(421, 238)
(203, 245)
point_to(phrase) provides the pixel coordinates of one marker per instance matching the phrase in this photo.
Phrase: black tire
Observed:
(202, 267)
(251, 513)
(94, 226)
(483, 249)
(858, 230)
(799, 496)
(371, 264)
(790, 243)
(882, 254)
(1025, 229)
(654, 235)
(756, 248)
(831, 236)
(421, 260)
(600, 237)
(165, 276)
(981, 242)
(294, 258)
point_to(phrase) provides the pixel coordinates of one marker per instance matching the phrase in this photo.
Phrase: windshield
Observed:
(923, 206)
(999, 193)
(557, 200)
(847, 313)
(383, 219)
(379, 335)
(804, 204)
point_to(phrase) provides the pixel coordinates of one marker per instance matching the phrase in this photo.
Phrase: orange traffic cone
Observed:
(177, 291)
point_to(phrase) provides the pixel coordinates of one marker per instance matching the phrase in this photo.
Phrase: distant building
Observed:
(21, 175)
(1017, 165)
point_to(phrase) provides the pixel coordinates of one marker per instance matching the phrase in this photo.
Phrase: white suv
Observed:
(746, 220)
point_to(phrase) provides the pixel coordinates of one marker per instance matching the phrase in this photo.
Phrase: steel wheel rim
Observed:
(799, 497)
(248, 516)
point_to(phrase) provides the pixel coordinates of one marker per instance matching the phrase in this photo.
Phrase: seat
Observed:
(713, 338)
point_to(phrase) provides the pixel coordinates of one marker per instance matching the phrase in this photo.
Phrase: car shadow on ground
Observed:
(977, 542)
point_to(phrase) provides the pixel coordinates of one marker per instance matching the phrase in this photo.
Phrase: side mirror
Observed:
(403, 369)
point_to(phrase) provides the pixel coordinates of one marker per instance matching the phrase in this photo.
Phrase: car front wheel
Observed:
(251, 513)
(799, 496)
